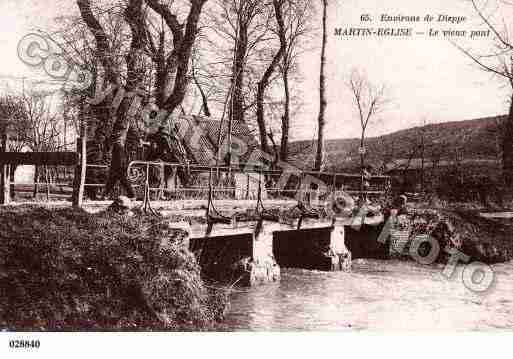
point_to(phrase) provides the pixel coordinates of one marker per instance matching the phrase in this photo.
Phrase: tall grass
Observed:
(65, 269)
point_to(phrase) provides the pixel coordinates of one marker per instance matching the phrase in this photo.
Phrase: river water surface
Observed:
(378, 295)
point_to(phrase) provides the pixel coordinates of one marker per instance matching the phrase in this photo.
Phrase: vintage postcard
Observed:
(299, 166)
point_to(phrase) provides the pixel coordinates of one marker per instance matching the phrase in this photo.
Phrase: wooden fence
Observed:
(74, 159)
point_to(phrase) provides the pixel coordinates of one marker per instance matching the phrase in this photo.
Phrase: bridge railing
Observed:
(166, 180)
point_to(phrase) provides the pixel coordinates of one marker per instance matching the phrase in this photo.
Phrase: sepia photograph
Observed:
(173, 171)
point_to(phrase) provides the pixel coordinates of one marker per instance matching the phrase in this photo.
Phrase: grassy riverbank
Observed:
(482, 239)
(488, 240)
(66, 269)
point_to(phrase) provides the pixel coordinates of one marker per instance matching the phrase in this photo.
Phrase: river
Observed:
(377, 295)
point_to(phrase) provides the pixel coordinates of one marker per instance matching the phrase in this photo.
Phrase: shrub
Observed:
(66, 269)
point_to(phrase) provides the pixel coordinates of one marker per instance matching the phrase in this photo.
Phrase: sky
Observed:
(427, 79)
(17, 19)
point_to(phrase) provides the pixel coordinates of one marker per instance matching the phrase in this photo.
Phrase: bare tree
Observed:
(132, 71)
(321, 120)
(499, 62)
(264, 81)
(234, 45)
(436, 155)
(204, 97)
(386, 154)
(184, 36)
(12, 110)
(294, 28)
(370, 101)
(12, 119)
(34, 126)
(40, 128)
(246, 14)
(421, 137)
(241, 49)
(95, 42)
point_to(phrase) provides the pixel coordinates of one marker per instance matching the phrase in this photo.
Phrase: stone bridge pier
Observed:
(251, 253)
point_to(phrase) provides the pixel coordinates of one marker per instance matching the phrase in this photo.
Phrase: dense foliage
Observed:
(65, 269)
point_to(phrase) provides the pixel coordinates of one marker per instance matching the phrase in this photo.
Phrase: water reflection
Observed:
(379, 295)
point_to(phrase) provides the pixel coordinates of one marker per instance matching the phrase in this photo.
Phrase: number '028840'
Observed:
(24, 344)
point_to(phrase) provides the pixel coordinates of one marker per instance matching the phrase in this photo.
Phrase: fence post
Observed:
(4, 169)
(5, 185)
(80, 172)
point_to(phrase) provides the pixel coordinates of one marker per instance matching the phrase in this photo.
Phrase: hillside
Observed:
(469, 139)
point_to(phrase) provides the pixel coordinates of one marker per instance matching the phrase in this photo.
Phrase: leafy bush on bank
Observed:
(66, 269)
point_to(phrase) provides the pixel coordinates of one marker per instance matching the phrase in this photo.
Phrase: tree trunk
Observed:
(102, 110)
(4, 175)
(262, 86)
(362, 165)
(204, 99)
(47, 182)
(321, 121)
(36, 179)
(423, 161)
(507, 148)
(103, 51)
(237, 98)
(285, 120)
(102, 122)
(162, 75)
(183, 51)
(11, 172)
(135, 18)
